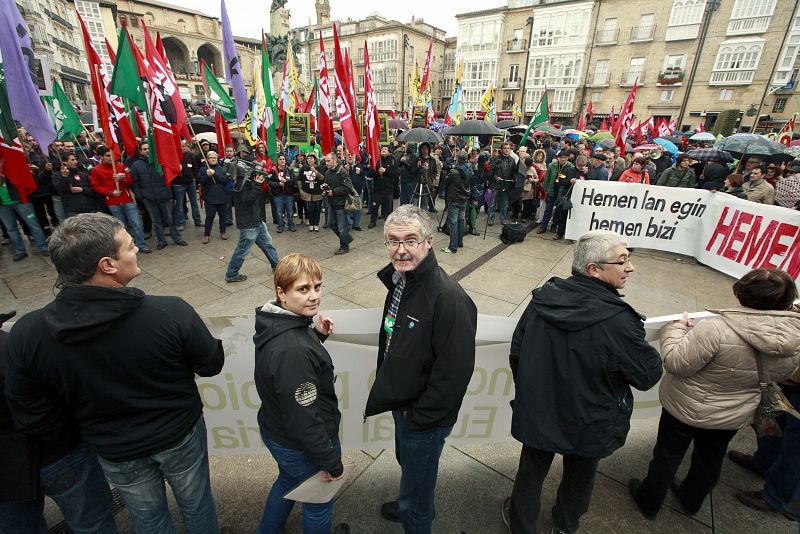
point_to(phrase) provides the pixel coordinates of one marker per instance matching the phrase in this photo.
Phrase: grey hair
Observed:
(594, 247)
(78, 243)
(462, 156)
(410, 214)
(212, 153)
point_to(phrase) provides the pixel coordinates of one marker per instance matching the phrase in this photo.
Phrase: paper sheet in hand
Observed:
(314, 490)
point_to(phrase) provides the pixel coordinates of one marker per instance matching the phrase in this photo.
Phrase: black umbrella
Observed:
(201, 124)
(706, 155)
(398, 124)
(503, 125)
(672, 139)
(475, 128)
(754, 145)
(419, 135)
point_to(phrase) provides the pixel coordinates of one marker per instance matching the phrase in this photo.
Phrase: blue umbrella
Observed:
(668, 145)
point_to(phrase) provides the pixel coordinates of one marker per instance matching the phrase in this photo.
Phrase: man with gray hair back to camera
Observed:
(575, 354)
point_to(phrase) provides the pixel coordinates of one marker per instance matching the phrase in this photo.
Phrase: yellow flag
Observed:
(488, 98)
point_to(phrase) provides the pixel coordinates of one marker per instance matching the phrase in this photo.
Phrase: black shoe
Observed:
(145, 251)
(633, 486)
(341, 251)
(371, 225)
(18, 257)
(357, 228)
(475, 232)
(182, 243)
(743, 460)
(505, 513)
(540, 231)
(161, 246)
(237, 278)
(341, 528)
(390, 511)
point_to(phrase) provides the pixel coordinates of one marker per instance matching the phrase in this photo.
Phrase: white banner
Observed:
(724, 232)
(231, 400)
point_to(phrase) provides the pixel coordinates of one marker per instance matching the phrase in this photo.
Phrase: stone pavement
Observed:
(473, 480)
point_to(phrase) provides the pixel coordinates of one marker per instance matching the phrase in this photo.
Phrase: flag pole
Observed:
(194, 137)
(113, 162)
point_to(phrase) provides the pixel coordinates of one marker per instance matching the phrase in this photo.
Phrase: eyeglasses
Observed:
(408, 244)
(623, 262)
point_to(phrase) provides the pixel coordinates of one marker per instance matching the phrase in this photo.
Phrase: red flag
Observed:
(310, 109)
(550, 112)
(324, 121)
(14, 167)
(582, 122)
(351, 93)
(183, 120)
(372, 127)
(626, 118)
(700, 128)
(344, 108)
(604, 126)
(663, 128)
(612, 120)
(393, 111)
(281, 111)
(223, 133)
(590, 110)
(426, 73)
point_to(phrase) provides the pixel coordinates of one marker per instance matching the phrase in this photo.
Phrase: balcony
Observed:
(58, 18)
(732, 77)
(606, 37)
(74, 72)
(628, 78)
(511, 84)
(670, 77)
(65, 45)
(642, 33)
(683, 32)
(187, 76)
(517, 45)
(748, 25)
(598, 79)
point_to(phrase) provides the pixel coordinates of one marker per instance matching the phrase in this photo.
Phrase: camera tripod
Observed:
(423, 190)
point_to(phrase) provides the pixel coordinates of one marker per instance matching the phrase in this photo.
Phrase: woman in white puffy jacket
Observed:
(710, 389)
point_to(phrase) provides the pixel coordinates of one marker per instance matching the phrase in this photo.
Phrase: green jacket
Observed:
(673, 177)
(552, 174)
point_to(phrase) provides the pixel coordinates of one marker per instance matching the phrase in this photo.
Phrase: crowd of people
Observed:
(87, 404)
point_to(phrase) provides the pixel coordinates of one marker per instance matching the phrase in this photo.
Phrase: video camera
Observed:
(250, 169)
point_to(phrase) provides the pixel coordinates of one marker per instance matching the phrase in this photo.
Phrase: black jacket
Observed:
(83, 202)
(432, 351)
(409, 167)
(148, 183)
(457, 184)
(188, 170)
(575, 353)
(247, 200)
(120, 364)
(275, 186)
(294, 379)
(338, 181)
(384, 184)
(506, 168)
(215, 187)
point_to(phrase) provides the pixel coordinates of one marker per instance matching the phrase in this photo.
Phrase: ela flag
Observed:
(20, 67)
(590, 110)
(625, 121)
(324, 121)
(426, 72)
(13, 164)
(487, 99)
(372, 127)
(224, 138)
(63, 116)
(540, 115)
(217, 95)
(343, 107)
(233, 69)
(126, 80)
(171, 85)
(269, 95)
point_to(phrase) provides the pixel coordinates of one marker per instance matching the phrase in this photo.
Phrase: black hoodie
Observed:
(121, 364)
(294, 379)
(575, 353)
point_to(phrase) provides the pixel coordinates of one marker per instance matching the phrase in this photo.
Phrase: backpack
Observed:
(512, 233)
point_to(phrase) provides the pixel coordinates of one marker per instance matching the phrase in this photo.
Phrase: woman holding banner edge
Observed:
(299, 414)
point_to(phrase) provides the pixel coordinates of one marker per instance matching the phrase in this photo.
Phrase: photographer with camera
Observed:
(282, 187)
(337, 187)
(252, 230)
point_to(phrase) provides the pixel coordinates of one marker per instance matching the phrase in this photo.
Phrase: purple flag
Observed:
(20, 71)
(233, 69)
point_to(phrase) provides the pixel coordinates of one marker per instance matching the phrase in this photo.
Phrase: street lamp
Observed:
(403, 75)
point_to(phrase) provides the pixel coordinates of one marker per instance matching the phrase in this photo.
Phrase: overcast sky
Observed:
(248, 17)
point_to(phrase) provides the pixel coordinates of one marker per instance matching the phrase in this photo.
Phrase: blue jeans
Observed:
(406, 191)
(285, 206)
(340, 224)
(180, 191)
(456, 224)
(229, 209)
(247, 236)
(293, 468)
(418, 453)
(161, 214)
(548, 213)
(185, 466)
(25, 212)
(499, 197)
(128, 213)
(327, 207)
(354, 218)
(368, 188)
(58, 207)
(782, 479)
(77, 485)
(312, 211)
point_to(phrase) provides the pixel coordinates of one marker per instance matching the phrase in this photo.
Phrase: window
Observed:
(684, 19)
(600, 76)
(513, 74)
(477, 36)
(736, 62)
(597, 97)
(779, 106)
(557, 70)
(608, 35)
(135, 21)
(725, 95)
(562, 27)
(532, 98)
(635, 71)
(646, 28)
(750, 16)
(563, 100)
(675, 62)
(667, 95)
(783, 72)
(518, 35)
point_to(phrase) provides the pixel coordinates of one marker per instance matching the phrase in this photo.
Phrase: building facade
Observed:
(691, 59)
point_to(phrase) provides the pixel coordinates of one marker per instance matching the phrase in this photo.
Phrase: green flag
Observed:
(218, 97)
(272, 111)
(125, 81)
(539, 116)
(62, 114)
(8, 130)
